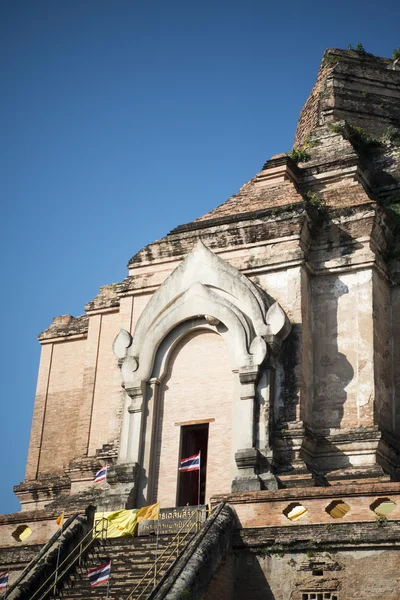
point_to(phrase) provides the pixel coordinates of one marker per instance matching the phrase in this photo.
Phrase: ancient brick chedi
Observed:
(267, 334)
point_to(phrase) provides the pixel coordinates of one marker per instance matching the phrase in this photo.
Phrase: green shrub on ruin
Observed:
(337, 128)
(316, 201)
(299, 155)
(391, 134)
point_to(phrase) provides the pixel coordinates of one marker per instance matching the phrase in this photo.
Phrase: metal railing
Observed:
(98, 532)
(174, 546)
(39, 556)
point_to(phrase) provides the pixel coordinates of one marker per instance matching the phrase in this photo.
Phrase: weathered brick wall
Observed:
(359, 88)
(337, 561)
(310, 115)
(395, 326)
(348, 561)
(267, 508)
(307, 348)
(383, 354)
(62, 407)
(367, 92)
(252, 234)
(291, 395)
(253, 197)
(16, 559)
(88, 382)
(126, 312)
(351, 575)
(39, 412)
(198, 385)
(222, 586)
(107, 392)
(79, 397)
(139, 302)
(343, 351)
(42, 524)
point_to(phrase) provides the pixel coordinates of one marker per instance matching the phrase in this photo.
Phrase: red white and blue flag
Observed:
(99, 575)
(101, 475)
(4, 580)
(190, 464)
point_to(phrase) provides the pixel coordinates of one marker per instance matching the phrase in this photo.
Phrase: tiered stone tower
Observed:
(266, 332)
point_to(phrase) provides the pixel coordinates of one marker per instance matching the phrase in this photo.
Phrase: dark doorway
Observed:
(194, 438)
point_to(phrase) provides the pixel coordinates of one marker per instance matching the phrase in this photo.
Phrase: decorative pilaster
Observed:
(246, 456)
(135, 410)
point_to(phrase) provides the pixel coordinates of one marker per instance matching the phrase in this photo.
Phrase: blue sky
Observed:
(121, 120)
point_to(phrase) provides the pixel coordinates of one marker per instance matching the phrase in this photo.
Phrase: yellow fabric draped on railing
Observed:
(120, 522)
(149, 513)
(123, 522)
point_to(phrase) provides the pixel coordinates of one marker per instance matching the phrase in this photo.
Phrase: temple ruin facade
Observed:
(265, 334)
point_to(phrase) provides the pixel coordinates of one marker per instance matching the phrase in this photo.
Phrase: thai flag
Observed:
(101, 475)
(190, 464)
(4, 580)
(99, 575)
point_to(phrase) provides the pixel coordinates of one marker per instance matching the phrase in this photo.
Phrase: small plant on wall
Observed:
(299, 155)
(359, 48)
(316, 201)
(391, 134)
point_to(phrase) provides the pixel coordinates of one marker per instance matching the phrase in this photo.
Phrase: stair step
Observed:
(132, 558)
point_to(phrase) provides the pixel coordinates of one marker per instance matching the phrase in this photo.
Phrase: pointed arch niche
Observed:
(196, 390)
(204, 296)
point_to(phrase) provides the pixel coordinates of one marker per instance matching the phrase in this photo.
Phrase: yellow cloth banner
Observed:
(120, 522)
(60, 520)
(148, 513)
(123, 522)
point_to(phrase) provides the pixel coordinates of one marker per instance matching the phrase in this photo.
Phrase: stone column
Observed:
(124, 440)
(135, 410)
(246, 455)
(150, 434)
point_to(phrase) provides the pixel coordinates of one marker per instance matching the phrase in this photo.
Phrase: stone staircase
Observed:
(187, 562)
(131, 558)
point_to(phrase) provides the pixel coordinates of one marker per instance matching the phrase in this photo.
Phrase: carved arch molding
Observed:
(209, 292)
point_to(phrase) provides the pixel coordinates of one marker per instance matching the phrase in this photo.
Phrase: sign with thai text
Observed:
(173, 520)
